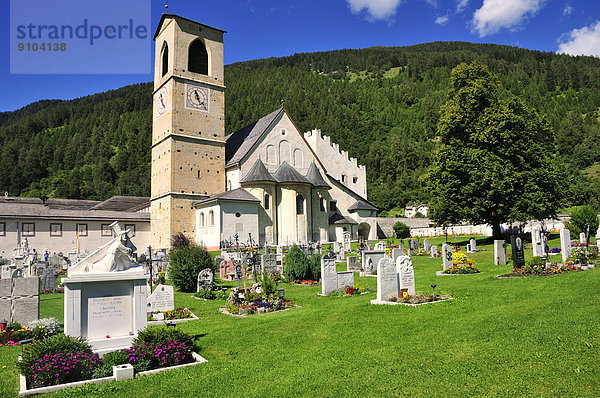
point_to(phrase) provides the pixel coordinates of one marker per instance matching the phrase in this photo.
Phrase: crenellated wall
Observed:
(338, 164)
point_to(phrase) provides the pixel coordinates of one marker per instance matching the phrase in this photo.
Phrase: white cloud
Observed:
(461, 5)
(584, 41)
(497, 14)
(443, 20)
(568, 10)
(376, 9)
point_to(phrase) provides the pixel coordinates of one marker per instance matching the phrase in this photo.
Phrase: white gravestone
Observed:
(447, 256)
(105, 295)
(426, 245)
(499, 252)
(406, 274)
(434, 251)
(328, 276)
(381, 245)
(537, 242)
(352, 263)
(374, 256)
(387, 280)
(205, 279)
(346, 241)
(345, 278)
(269, 263)
(397, 253)
(565, 244)
(161, 299)
(469, 250)
(473, 243)
(582, 238)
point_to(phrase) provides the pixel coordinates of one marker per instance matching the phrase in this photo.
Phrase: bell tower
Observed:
(188, 130)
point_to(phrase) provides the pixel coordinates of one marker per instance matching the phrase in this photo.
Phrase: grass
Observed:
(498, 337)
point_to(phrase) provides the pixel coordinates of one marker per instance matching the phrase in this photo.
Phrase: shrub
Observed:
(268, 285)
(401, 230)
(315, 266)
(582, 217)
(57, 344)
(205, 294)
(296, 265)
(60, 368)
(186, 262)
(111, 359)
(171, 352)
(180, 240)
(155, 336)
(536, 261)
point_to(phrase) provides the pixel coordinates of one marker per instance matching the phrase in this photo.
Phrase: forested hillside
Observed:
(381, 104)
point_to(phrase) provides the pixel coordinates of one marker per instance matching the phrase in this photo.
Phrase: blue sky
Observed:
(273, 28)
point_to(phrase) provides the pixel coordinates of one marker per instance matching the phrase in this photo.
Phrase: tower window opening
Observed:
(165, 60)
(198, 58)
(299, 205)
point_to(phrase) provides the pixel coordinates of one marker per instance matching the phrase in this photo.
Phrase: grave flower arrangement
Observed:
(36, 330)
(419, 298)
(356, 289)
(261, 297)
(177, 313)
(461, 264)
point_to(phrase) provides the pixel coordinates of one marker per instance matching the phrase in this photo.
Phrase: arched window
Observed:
(211, 218)
(267, 200)
(229, 185)
(198, 58)
(299, 204)
(165, 59)
(201, 220)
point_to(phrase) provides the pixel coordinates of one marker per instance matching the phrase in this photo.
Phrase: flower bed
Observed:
(206, 294)
(259, 307)
(305, 283)
(53, 291)
(36, 330)
(542, 270)
(414, 300)
(64, 360)
(176, 315)
(353, 290)
(461, 270)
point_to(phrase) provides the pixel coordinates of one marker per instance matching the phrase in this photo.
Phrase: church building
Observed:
(267, 183)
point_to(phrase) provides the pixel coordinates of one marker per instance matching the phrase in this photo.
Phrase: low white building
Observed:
(65, 225)
(412, 211)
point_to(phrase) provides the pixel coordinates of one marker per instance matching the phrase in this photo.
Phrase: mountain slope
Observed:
(381, 104)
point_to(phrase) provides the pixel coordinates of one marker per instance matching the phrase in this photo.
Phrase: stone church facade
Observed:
(267, 183)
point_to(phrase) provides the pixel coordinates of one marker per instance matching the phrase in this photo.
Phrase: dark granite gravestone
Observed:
(49, 280)
(518, 252)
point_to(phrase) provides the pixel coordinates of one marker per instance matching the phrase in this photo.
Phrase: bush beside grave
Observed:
(401, 230)
(186, 262)
(262, 296)
(36, 330)
(296, 265)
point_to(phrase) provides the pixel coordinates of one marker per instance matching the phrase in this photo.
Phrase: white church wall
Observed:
(338, 164)
(232, 179)
(266, 212)
(207, 228)
(240, 218)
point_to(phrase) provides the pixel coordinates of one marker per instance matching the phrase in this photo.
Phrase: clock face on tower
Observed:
(197, 98)
(162, 101)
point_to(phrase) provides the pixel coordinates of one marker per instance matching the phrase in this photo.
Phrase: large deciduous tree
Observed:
(495, 163)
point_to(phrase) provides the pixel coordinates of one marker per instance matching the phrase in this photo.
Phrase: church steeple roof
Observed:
(286, 173)
(315, 178)
(258, 173)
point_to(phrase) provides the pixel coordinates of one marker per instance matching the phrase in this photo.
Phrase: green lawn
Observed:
(511, 337)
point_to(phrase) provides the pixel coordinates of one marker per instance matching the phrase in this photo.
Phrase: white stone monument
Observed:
(328, 276)
(469, 250)
(374, 256)
(565, 244)
(387, 280)
(499, 252)
(161, 299)
(406, 274)
(582, 239)
(447, 256)
(434, 251)
(352, 263)
(344, 278)
(105, 295)
(473, 244)
(381, 245)
(397, 253)
(537, 242)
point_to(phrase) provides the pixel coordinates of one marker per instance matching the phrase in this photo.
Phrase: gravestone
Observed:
(346, 241)
(205, 280)
(426, 245)
(226, 269)
(410, 251)
(447, 256)
(374, 256)
(537, 242)
(55, 261)
(518, 252)
(582, 239)
(434, 252)
(161, 299)
(38, 268)
(49, 279)
(218, 260)
(7, 271)
(345, 278)
(469, 250)
(565, 244)
(269, 263)
(20, 300)
(473, 244)
(352, 263)
(406, 274)
(381, 245)
(328, 276)
(397, 253)
(17, 273)
(106, 295)
(387, 280)
(499, 252)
